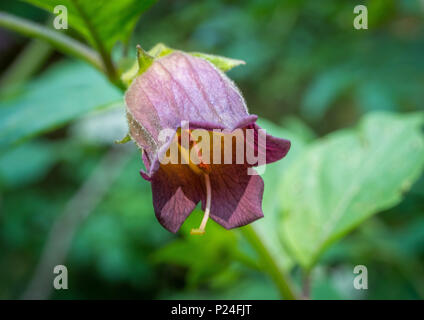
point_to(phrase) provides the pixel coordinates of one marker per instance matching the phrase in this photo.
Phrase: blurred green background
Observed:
(71, 195)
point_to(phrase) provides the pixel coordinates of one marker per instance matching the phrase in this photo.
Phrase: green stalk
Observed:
(279, 277)
(110, 69)
(27, 63)
(58, 40)
(306, 284)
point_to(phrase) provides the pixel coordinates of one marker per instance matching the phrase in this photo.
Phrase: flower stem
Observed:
(306, 285)
(26, 64)
(110, 69)
(279, 276)
(58, 40)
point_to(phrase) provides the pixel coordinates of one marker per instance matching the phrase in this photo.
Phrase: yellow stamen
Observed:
(201, 229)
(185, 154)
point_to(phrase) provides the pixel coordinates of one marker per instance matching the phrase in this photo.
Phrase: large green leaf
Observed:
(266, 227)
(17, 171)
(65, 92)
(345, 178)
(109, 21)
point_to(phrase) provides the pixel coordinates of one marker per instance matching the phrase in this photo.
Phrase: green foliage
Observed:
(345, 178)
(251, 287)
(65, 92)
(26, 163)
(101, 21)
(204, 256)
(272, 178)
(117, 239)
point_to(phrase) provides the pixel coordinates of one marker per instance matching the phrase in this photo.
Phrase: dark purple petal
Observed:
(146, 162)
(176, 191)
(236, 196)
(208, 125)
(276, 148)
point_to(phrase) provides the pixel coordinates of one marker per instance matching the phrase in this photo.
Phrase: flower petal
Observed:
(236, 196)
(276, 148)
(176, 191)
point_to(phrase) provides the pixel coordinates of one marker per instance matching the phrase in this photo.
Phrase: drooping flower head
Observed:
(179, 94)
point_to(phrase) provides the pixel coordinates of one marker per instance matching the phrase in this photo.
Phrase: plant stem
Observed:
(27, 63)
(106, 57)
(306, 284)
(58, 40)
(278, 275)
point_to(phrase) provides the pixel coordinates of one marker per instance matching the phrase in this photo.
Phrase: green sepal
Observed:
(142, 63)
(125, 139)
(160, 50)
(146, 58)
(222, 63)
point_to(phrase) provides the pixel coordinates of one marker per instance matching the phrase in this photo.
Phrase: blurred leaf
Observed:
(65, 92)
(26, 163)
(118, 237)
(374, 96)
(102, 127)
(272, 176)
(296, 126)
(104, 244)
(334, 284)
(347, 177)
(204, 256)
(253, 286)
(381, 246)
(111, 21)
(324, 91)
